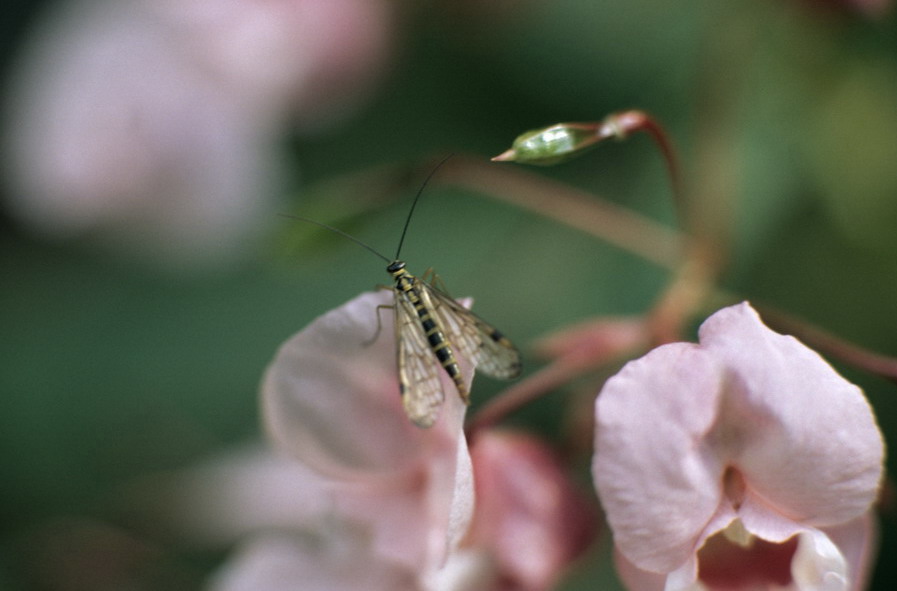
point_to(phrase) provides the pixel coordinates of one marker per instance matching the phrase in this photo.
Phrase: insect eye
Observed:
(395, 266)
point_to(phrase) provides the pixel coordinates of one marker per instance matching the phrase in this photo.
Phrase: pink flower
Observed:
(156, 125)
(358, 497)
(313, 59)
(355, 496)
(290, 525)
(743, 462)
(530, 521)
(332, 402)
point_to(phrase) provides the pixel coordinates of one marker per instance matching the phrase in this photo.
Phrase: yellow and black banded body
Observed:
(429, 323)
(410, 287)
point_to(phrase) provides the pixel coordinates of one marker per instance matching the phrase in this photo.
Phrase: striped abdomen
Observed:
(441, 348)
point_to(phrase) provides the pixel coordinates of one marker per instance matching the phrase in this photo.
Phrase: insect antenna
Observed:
(338, 231)
(359, 242)
(414, 203)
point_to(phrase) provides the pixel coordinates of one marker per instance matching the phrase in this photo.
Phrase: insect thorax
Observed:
(404, 280)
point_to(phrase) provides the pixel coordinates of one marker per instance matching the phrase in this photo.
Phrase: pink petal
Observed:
(114, 131)
(529, 516)
(807, 442)
(749, 424)
(413, 521)
(857, 541)
(333, 402)
(315, 58)
(658, 485)
(466, 570)
(461, 502)
(237, 495)
(286, 563)
(636, 579)
(419, 520)
(818, 563)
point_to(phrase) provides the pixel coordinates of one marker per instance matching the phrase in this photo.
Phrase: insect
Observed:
(431, 329)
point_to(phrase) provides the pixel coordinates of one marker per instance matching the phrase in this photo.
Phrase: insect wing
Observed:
(474, 338)
(419, 379)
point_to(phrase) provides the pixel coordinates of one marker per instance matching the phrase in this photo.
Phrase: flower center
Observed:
(734, 559)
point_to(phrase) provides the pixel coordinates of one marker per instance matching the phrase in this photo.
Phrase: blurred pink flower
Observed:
(356, 496)
(332, 402)
(743, 462)
(594, 342)
(290, 524)
(530, 522)
(314, 60)
(156, 124)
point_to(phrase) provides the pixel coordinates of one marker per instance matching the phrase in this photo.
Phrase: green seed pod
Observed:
(550, 145)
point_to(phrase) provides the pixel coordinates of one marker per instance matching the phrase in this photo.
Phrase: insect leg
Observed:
(431, 277)
(371, 341)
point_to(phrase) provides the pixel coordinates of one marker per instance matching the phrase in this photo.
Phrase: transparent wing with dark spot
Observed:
(474, 338)
(422, 392)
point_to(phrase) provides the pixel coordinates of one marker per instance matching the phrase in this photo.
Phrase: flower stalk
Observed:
(562, 141)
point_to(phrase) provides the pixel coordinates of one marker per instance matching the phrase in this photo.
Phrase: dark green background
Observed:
(113, 368)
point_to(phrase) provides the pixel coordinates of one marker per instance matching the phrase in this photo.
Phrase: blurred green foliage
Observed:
(785, 115)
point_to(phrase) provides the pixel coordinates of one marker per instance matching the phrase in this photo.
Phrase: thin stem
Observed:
(616, 225)
(623, 124)
(518, 396)
(684, 295)
(650, 240)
